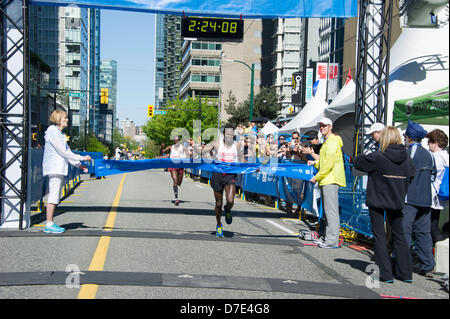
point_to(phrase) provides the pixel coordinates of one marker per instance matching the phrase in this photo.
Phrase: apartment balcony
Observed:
(204, 86)
(278, 31)
(277, 66)
(291, 46)
(206, 53)
(279, 48)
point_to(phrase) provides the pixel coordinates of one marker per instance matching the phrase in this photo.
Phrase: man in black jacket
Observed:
(416, 213)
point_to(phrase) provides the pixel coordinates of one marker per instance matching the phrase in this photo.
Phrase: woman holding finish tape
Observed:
(57, 156)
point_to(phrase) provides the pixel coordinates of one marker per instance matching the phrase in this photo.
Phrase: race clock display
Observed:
(212, 28)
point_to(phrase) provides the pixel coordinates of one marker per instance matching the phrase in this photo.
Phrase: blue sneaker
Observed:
(219, 231)
(54, 229)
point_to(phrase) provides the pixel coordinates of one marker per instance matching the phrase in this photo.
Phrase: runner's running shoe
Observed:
(54, 229)
(219, 231)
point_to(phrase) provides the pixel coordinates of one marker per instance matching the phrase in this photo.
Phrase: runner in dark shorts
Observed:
(220, 180)
(226, 151)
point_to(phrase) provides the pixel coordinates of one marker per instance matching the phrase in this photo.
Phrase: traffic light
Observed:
(104, 96)
(150, 111)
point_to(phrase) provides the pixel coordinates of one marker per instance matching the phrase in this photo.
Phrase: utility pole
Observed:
(251, 91)
(305, 61)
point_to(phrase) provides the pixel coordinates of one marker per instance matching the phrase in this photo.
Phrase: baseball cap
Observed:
(375, 127)
(325, 121)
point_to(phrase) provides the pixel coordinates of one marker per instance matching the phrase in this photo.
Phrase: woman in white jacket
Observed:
(437, 142)
(57, 156)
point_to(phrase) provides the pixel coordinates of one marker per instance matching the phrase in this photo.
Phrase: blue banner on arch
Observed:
(221, 8)
(294, 170)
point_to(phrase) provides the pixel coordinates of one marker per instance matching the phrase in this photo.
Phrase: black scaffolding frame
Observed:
(372, 69)
(14, 126)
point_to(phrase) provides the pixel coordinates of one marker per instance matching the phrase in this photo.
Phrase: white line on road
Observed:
(281, 227)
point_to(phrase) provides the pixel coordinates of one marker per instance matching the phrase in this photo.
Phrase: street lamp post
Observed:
(252, 69)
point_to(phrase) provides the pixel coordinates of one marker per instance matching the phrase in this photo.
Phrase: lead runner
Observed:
(226, 150)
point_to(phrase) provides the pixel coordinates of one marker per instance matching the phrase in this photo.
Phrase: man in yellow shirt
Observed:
(331, 176)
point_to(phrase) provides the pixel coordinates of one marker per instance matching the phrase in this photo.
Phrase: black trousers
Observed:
(401, 265)
(436, 234)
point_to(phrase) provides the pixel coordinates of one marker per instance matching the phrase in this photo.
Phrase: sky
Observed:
(128, 38)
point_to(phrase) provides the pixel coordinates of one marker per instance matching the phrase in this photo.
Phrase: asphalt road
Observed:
(126, 239)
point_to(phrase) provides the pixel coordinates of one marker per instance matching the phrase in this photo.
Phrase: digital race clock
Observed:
(212, 28)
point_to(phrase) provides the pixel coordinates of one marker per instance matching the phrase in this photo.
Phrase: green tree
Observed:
(181, 114)
(118, 138)
(265, 104)
(150, 149)
(131, 144)
(94, 145)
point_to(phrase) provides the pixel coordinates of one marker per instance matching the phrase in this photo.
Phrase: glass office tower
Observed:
(106, 115)
(94, 66)
(159, 61)
(73, 62)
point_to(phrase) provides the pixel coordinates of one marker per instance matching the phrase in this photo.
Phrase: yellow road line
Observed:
(98, 261)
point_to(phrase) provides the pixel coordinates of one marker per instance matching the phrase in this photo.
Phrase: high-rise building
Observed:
(67, 39)
(127, 127)
(200, 69)
(331, 51)
(159, 60)
(73, 64)
(105, 116)
(172, 57)
(287, 57)
(94, 66)
(44, 38)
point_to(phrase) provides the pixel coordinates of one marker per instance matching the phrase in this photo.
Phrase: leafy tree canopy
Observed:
(265, 104)
(181, 114)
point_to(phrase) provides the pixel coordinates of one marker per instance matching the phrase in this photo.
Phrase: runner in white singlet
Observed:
(226, 151)
(177, 152)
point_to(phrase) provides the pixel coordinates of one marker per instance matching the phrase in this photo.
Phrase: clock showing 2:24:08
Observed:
(212, 28)
(207, 26)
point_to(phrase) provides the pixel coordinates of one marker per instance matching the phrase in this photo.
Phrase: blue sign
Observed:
(220, 8)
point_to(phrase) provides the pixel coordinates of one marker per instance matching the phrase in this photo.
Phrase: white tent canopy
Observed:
(421, 68)
(343, 103)
(307, 117)
(269, 128)
(316, 109)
